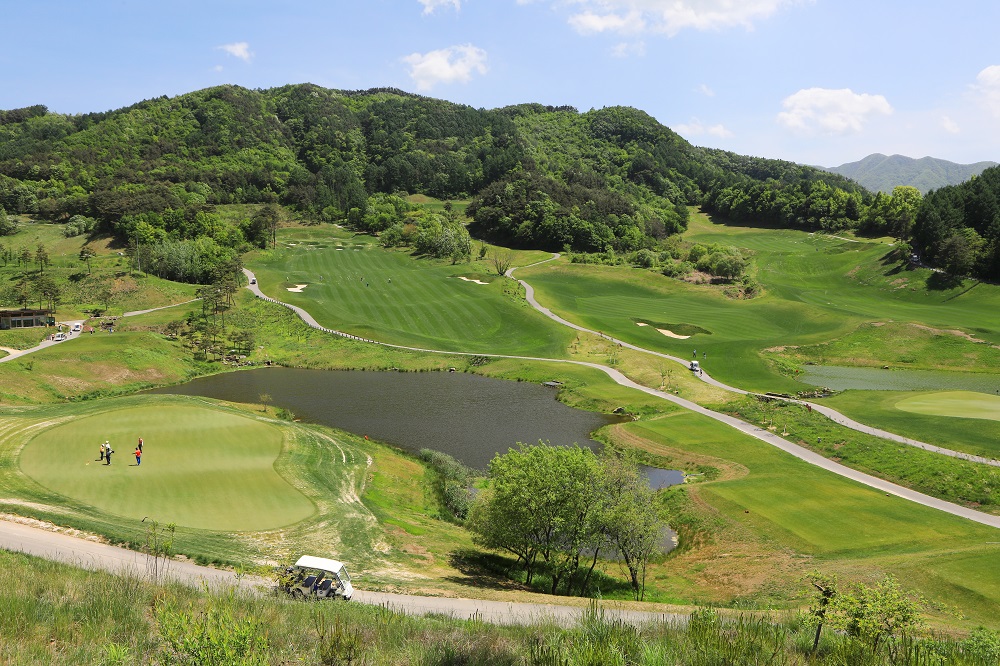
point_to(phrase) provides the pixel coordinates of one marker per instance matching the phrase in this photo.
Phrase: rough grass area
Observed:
(53, 614)
(899, 345)
(777, 517)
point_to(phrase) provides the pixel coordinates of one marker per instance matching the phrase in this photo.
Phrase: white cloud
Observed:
(669, 17)
(627, 49)
(239, 50)
(588, 23)
(987, 86)
(705, 90)
(455, 63)
(840, 111)
(697, 128)
(949, 125)
(431, 5)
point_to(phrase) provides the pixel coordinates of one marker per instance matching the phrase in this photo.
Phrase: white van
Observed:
(76, 328)
(59, 337)
(694, 366)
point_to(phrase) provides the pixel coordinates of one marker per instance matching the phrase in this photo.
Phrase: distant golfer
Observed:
(695, 354)
(140, 445)
(138, 456)
(107, 453)
(101, 459)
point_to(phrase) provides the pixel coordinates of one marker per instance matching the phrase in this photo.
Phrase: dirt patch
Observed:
(955, 332)
(49, 527)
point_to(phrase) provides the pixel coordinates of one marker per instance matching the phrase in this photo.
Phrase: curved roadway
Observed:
(767, 436)
(97, 556)
(94, 555)
(828, 412)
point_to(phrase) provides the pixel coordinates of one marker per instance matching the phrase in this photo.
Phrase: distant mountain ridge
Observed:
(879, 172)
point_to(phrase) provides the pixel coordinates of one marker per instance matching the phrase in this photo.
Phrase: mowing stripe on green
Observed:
(201, 467)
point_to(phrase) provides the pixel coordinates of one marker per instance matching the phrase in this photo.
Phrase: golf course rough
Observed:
(201, 467)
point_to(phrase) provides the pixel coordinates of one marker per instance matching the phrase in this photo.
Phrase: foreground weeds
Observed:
(54, 614)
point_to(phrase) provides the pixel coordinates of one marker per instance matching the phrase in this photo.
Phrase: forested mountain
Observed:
(539, 176)
(958, 227)
(880, 173)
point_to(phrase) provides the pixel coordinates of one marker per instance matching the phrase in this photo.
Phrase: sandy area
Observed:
(666, 332)
(671, 334)
(462, 277)
(297, 288)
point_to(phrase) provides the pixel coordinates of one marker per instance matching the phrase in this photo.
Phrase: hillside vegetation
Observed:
(881, 173)
(543, 177)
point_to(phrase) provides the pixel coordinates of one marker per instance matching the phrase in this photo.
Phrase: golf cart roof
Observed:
(310, 562)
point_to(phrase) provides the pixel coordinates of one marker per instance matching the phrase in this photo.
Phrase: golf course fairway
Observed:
(963, 404)
(201, 468)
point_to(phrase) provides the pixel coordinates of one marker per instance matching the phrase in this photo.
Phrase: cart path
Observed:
(828, 412)
(45, 344)
(96, 556)
(762, 434)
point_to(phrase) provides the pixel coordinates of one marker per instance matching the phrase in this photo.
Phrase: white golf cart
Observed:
(317, 578)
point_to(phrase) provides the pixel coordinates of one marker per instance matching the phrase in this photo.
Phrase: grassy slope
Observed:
(826, 521)
(386, 295)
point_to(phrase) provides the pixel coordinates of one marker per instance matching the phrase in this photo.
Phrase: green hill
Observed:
(880, 173)
(611, 178)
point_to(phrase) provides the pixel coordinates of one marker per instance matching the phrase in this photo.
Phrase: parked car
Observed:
(316, 578)
(76, 328)
(59, 337)
(253, 280)
(694, 366)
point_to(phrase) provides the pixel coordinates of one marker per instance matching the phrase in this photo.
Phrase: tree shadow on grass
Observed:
(496, 572)
(943, 282)
(485, 570)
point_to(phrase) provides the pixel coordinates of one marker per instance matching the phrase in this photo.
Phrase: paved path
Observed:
(44, 344)
(767, 436)
(97, 556)
(828, 412)
(136, 313)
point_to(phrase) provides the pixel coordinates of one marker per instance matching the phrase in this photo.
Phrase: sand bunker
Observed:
(297, 288)
(666, 332)
(671, 334)
(462, 277)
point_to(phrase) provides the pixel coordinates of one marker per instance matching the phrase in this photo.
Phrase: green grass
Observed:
(94, 365)
(200, 468)
(879, 408)
(355, 286)
(836, 523)
(960, 404)
(55, 614)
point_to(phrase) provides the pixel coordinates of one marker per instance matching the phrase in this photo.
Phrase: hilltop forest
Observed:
(607, 180)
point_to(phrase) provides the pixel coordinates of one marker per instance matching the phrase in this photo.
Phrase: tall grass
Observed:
(54, 614)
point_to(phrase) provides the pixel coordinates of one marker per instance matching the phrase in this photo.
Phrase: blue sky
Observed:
(814, 81)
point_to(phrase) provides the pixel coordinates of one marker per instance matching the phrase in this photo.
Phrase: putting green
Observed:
(962, 404)
(201, 467)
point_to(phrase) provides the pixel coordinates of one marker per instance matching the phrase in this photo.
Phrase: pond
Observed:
(840, 378)
(469, 417)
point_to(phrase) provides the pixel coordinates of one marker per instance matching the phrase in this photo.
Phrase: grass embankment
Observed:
(354, 285)
(54, 614)
(769, 518)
